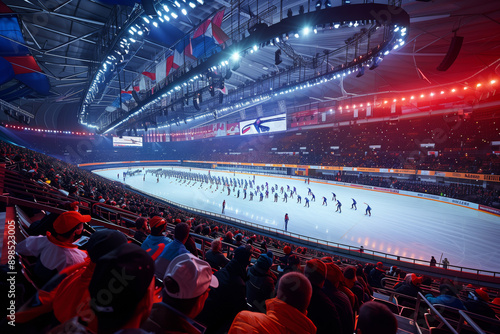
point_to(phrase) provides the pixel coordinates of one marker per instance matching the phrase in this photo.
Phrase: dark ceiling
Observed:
(64, 37)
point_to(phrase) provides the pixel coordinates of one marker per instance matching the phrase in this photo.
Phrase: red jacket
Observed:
(280, 318)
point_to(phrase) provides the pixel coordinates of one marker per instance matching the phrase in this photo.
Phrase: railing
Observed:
(328, 245)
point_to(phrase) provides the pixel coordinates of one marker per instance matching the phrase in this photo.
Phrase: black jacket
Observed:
(260, 287)
(225, 301)
(323, 313)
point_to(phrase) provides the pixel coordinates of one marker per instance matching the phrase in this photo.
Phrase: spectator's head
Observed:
(448, 289)
(334, 274)
(141, 224)
(287, 250)
(229, 235)
(121, 289)
(181, 232)
(104, 241)
(380, 266)
(216, 245)
(294, 260)
(479, 294)
(264, 262)
(187, 283)
(416, 280)
(242, 255)
(350, 276)
(376, 318)
(295, 290)
(157, 225)
(315, 271)
(69, 225)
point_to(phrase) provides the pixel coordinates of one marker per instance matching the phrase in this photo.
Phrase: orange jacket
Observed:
(280, 318)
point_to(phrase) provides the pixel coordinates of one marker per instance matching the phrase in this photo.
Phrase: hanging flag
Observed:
(219, 35)
(161, 71)
(222, 90)
(170, 63)
(142, 84)
(150, 75)
(182, 49)
(202, 29)
(217, 20)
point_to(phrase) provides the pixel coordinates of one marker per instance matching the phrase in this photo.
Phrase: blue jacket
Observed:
(152, 241)
(171, 251)
(447, 300)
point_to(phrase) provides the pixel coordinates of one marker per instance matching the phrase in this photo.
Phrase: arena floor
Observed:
(399, 224)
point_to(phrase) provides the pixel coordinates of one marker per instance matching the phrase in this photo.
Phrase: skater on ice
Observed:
(276, 196)
(324, 201)
(223, 205)
(285, 198)
(286, 221)
(313, 198)
(334, 197)
(368, 210)
(307, 202)
(339, 207)
(299, 199)
(353, 206)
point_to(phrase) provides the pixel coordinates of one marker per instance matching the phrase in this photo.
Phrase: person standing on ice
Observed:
(223, 205)
(276, 196)
(299, 199)
(324, 201)
(313, 198)
(334, 197)
(285, 198)
(339, 207)
(286, 221)
(368, 210)
(353, 206)
(307, 202)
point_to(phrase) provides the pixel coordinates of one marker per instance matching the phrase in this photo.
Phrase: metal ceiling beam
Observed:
(66, 57)
(62, 5)
(72, 41)
(74, 75)
(61, 33)
(65, 65)
(29, 33)
(76, 18)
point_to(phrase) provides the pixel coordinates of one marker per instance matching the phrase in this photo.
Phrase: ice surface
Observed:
(400, 225)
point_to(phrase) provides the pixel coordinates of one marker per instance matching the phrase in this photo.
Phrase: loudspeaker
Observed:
(452, 54)
(195, 104)
(135, 96)
(277, 57)
(228, 74)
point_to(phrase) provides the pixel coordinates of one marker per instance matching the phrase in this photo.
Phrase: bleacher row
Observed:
(464, 145)
(31, 197)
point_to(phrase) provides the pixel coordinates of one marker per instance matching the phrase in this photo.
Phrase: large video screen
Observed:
(263, 125)
(126, 141)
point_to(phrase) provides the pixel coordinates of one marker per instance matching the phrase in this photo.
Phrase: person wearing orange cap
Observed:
(156, 241)
(477, 302)
(54, 252)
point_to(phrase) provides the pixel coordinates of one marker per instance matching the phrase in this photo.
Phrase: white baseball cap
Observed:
(192, 274)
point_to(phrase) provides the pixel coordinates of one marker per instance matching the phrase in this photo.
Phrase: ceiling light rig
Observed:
(138, 29)
(338, 17)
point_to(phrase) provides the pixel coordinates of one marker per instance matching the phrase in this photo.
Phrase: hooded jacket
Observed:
(280, 318)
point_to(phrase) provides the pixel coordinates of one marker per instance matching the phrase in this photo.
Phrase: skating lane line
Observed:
(339, 185)
(349, 230)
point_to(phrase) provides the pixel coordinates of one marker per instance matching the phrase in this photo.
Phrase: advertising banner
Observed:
(263, 125)
(127, 141)
(303, 118)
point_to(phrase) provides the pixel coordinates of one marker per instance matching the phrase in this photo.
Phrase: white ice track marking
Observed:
(399, 224)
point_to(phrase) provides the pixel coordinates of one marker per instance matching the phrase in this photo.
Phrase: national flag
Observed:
(150, 75)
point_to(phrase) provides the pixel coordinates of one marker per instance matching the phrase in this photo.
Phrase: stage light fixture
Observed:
(277, 57)
(361, 72)
(318, 5)
(328, 4)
